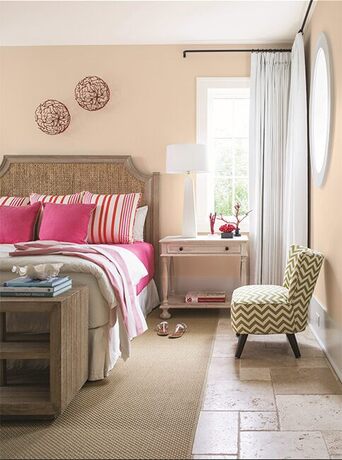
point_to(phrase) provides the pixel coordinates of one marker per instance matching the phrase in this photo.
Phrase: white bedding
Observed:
(100, 291)
(106, 335)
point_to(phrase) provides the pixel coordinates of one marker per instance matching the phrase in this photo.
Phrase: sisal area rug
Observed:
(146, 409)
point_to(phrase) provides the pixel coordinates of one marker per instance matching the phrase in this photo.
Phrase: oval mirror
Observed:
(320, 108)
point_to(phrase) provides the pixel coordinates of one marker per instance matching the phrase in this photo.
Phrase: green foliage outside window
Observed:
(231, 180)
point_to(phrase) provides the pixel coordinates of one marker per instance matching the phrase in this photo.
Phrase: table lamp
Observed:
(187, 158)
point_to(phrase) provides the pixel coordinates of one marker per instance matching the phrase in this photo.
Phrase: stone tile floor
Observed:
(269, 405)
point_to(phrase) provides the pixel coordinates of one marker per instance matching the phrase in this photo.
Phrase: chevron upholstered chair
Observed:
(269, 309)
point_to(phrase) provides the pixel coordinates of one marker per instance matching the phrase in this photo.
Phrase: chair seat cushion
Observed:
(262, 310)
(260, 294)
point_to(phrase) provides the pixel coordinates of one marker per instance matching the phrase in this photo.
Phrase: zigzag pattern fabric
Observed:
(302, 282)
(283, 309)
(295, 251)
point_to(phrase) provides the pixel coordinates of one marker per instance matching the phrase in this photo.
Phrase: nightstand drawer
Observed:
(204, 249)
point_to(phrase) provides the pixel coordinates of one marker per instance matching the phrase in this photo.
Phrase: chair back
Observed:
(302, 270)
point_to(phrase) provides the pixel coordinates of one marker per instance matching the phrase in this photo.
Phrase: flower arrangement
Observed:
(227, 228)
(238, 218)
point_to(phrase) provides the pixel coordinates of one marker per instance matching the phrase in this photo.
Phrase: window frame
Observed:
(204, 182)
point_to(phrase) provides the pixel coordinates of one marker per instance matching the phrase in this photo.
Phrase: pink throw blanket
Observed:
(113, 265)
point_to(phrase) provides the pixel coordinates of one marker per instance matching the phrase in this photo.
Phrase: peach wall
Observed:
(153, 104)
(325, 208)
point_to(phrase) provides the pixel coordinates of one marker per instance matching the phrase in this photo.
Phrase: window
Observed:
(223, 124)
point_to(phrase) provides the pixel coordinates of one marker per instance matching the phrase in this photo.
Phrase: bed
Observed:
(103, 175)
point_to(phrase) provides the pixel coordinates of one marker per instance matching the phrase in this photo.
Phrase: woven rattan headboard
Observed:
(22, 174)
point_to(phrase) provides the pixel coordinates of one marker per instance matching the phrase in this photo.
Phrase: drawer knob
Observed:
(181, 248)
(226, 248)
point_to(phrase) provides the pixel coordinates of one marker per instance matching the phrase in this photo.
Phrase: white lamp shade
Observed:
(181, 158)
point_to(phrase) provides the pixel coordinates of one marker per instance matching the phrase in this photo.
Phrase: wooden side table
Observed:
(174, 246)
(66, 349)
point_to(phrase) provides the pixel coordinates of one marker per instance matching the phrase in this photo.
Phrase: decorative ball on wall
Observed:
(92, 93)
(52, 117)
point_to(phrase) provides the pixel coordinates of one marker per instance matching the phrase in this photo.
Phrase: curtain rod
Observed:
(252, 50)
(247, 50)
(300, 31)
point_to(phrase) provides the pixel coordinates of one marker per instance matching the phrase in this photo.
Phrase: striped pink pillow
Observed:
(14, 201)
(58, 199)
(113, 219)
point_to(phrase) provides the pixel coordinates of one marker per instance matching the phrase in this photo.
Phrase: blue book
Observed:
(29, 282)
(36, 294)
(17, 289)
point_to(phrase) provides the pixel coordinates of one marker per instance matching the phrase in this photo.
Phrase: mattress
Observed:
(101, 295)
(106, 336)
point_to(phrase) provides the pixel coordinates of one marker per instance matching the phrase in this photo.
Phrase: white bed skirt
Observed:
(104, 342)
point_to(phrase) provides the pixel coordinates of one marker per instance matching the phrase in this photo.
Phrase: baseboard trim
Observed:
(329, 357)
(314, 307)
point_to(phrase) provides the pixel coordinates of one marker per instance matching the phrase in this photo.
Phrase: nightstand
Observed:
(209, 246)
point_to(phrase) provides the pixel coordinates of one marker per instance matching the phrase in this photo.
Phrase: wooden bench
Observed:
(66, 348)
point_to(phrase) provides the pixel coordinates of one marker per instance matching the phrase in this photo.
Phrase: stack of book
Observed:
(205, 297)
(28, 287)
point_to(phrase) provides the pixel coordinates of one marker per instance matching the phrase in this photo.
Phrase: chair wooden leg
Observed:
(240, 345)
(294, 345)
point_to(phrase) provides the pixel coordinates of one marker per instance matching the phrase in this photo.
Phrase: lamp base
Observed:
(189, 211)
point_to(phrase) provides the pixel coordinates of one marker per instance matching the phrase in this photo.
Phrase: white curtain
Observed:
(270, 79)
(296, 166)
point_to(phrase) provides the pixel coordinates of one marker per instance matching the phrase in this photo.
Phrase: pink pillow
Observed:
(113, 219)
(17, 223)
(65, 222)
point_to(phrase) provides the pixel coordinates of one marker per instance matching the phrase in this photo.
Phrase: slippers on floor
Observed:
(180, 329)
(162, 329)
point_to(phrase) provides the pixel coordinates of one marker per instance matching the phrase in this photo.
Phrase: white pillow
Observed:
(139, 223)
